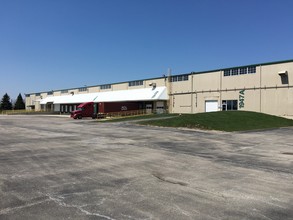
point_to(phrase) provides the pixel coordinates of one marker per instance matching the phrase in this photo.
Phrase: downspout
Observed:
(260, 87)
(191, 93)
(169, 87)
(95, 106)
(95, 98)
(221, 84)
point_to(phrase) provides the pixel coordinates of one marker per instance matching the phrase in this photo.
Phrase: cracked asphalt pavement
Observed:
(60, 168)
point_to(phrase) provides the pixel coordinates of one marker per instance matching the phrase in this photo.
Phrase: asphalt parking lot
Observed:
(60, 168)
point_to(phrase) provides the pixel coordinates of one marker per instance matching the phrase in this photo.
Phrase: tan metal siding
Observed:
(200, 81)
(120, 86)
(241, 81)
(181, 103)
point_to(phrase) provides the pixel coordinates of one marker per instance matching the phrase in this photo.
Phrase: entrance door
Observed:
(160, 107)
(211, 106)
(149, 108)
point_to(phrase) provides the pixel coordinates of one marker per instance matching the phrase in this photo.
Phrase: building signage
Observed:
(241, 98)
(123, 108)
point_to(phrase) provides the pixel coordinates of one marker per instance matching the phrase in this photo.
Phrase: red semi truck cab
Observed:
(87, 109)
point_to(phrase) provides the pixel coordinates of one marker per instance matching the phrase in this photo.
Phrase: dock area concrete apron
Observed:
(60, 168)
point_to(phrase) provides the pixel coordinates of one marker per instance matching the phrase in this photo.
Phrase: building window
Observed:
(227, 72)
(179, 78)
(240, 71)
(64, 91)
(243, 70)
(27, 95)
(251, 69)
(136, 83)
(83, 89)
(229, 105)
(105, 86)
(234, 72)
(49, 93)
(38, 94)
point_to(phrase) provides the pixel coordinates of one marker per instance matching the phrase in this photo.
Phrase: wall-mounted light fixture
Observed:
(284, 77)
(154, 85)
(283, 73)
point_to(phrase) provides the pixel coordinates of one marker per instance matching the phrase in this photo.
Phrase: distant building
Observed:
(265, 87)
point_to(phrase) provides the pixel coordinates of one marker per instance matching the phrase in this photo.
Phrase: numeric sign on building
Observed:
(241, 98)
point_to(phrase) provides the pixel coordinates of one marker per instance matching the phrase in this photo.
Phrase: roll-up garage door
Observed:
(211, 106)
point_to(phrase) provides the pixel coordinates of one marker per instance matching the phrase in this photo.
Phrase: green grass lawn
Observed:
(223, 121)
(138, 117)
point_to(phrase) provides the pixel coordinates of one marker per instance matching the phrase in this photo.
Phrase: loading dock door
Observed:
(149, 108)
(211, 106)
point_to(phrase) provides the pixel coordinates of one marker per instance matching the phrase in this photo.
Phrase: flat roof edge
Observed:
(257, 64)
(199, 72)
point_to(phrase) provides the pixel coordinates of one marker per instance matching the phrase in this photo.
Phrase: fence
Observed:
(22, 111)
(135, 112)
(126, 113)
(111, 114)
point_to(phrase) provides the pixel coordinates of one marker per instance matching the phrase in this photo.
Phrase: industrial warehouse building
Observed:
(265, 87)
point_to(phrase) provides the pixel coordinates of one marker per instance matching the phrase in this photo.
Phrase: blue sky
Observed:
(54, 44)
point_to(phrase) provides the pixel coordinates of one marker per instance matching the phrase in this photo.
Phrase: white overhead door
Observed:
(211, 106)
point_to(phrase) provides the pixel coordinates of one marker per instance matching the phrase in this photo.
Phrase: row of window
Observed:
(105, 86)
(102, 87)
(240, 71)
(136, 83)
(179, 78)
(83, 89)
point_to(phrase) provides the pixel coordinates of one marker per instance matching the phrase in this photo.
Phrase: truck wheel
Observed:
(79, 117)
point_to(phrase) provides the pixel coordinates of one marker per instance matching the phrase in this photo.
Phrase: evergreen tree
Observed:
(19, 104)
(5, 103)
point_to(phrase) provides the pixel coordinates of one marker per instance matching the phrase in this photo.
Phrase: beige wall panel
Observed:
(105, 90)
(159, 82)
(28, 101)
(181, 87)
(200, 99)
(270, 76)
(34, 101)
(230, 95)
(120, 86)
(277, 101)
(57, 93)
(241, 81)
(137, 87)
(290, 102)
(75, 91)
(37, 106)
(181, 103)
(206, 81)
(251, 100)
(94, 89)
(43, 95)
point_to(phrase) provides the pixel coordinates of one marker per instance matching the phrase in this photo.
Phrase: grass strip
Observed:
(139, 117)
(223, 121)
